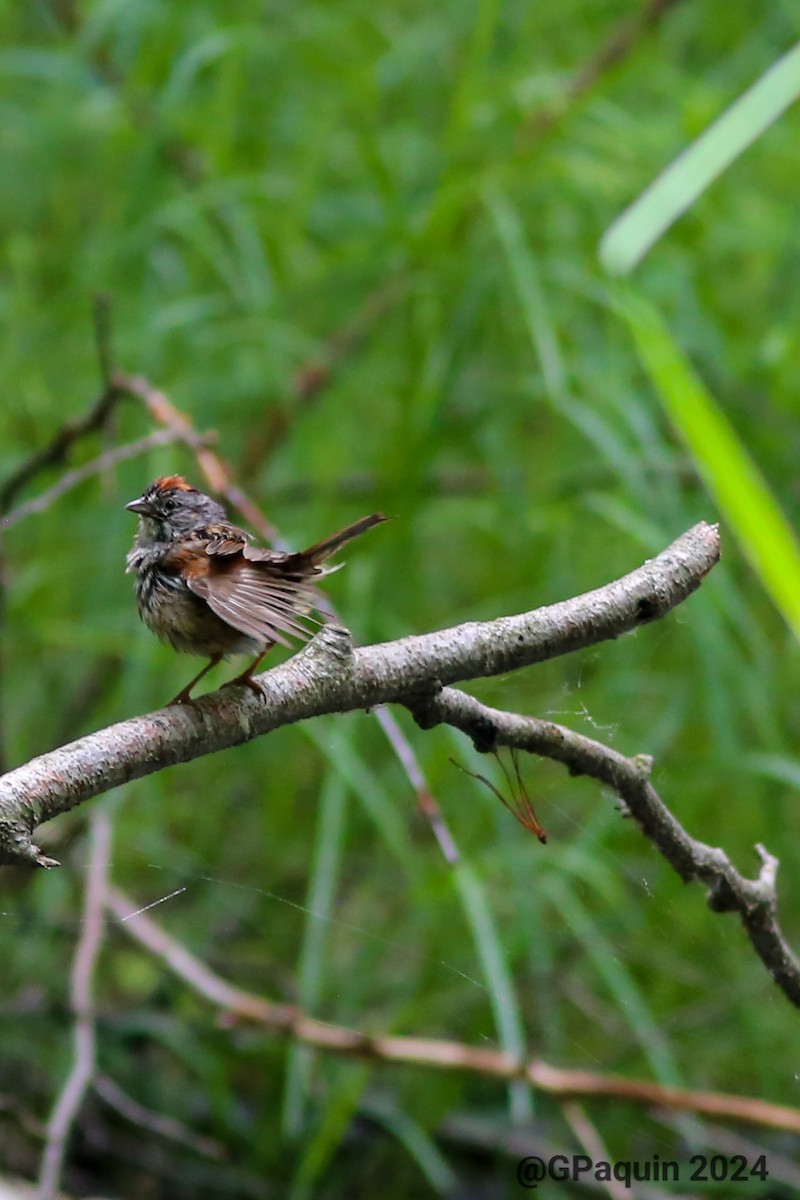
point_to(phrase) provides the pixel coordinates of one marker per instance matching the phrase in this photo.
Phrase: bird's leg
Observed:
(246, 677)
(184, 696)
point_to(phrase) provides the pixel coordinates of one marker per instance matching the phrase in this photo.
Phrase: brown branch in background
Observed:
(97, 466)
(592, 1144)
(312, 377)
(57, 450)
(426, 802)
(755, 900)
(287, 1020)
(619, 44)
(96, 419)
(217, 471)
(84, 965)
(164, 1126)
(54, 454)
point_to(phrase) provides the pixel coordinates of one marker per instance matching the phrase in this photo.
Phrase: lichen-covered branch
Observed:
(330, 676)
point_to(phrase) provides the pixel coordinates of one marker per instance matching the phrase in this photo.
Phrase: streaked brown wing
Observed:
(224, 540)
(258, 602)
(223, 546)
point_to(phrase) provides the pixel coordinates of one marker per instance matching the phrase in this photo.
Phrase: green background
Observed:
(245, 181)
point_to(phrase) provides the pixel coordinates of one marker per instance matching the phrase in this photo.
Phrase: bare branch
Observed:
(97, 466)
(57, 451)
(215, 468)
(617, 47)
(431, 1053)
(592, 1144)
(82, 988)
(312, 377)
(159, 1123)
(330, 676)
(426, 801)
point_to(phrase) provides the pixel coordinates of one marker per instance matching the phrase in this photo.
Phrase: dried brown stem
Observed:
(312, 377)
(82, 1002)
(432, 1053)
(97, 466)
(217, 471)
(58, 449)
(619, 44)
(159, 1123)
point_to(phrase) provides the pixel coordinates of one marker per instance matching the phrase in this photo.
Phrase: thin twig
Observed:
(312, 377)
(82, 1002)
(619, 44)
(57, 450)
(104, 462)
(287, 1020)
(426, 802)
(575, 1116)
(159, 1123)
(215, 468)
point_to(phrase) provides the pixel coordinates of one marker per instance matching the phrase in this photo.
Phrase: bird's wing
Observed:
(256, 599)
(264, 593)
(221, 540)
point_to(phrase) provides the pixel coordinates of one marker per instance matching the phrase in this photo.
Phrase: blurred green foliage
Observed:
(244, 181)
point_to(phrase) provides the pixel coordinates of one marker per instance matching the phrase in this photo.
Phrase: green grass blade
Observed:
(740, 491)
(633, 233)
(323, 884)
(499, 981)
(631, 1003)
(341, 1105)
(376, 799)
(417, 1143)
(528, 285)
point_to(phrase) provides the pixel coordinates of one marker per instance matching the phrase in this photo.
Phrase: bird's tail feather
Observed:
(317, 554)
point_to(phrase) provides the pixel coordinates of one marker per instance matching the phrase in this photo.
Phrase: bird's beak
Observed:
(139, 506)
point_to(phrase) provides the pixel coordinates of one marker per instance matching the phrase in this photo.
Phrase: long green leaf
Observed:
(740, 491)
(626, 242)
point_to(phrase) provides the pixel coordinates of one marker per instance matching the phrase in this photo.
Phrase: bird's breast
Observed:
(177, 616)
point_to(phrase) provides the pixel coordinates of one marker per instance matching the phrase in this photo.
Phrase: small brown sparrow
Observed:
(202, 587)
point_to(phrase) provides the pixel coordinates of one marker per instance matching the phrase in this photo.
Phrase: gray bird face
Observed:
(170, 510)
